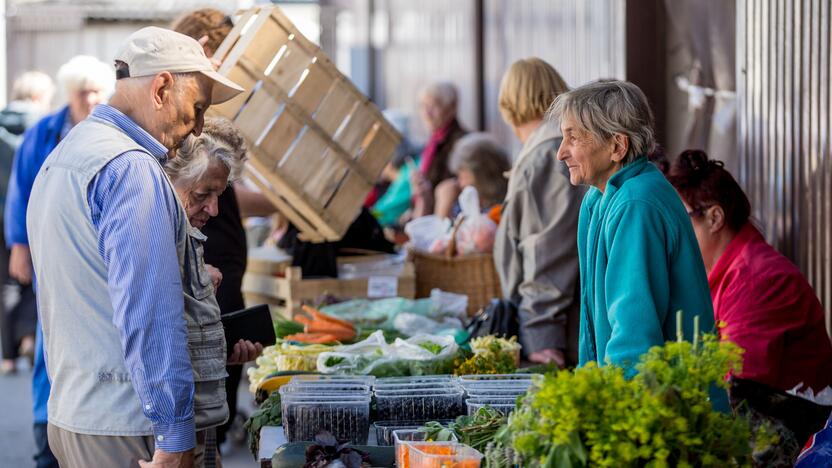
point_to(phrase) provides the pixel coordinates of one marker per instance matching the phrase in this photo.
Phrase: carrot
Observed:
(318, 315)
(300, 318)
(312, 338)
(330, 328)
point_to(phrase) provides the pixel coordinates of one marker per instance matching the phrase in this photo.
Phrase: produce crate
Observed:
(316, 144)
(286, 290)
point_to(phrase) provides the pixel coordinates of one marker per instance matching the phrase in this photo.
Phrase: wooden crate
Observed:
(317, 145)
(284, 288)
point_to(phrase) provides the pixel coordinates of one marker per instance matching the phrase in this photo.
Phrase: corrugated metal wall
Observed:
(583, 39)
(783, 81)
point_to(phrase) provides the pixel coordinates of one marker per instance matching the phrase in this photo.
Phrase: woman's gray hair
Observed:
(444, 92)
(607, 107)
(219, 143)
(481, 154)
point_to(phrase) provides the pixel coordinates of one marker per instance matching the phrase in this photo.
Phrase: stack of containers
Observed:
(410, 402)
(339, 405)
(499, 391)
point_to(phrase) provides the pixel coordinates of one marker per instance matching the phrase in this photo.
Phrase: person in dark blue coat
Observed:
(87, 82)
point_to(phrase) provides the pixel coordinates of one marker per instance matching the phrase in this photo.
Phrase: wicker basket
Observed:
(473, 275)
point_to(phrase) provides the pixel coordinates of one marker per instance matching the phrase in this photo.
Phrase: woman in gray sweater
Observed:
(536, 247)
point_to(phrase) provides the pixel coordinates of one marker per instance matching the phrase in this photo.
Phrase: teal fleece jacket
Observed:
(640, 263)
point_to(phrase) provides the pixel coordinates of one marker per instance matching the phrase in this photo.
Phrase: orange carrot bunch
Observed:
(320, 328)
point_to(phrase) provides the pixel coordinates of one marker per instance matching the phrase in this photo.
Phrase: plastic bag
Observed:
(413, 324)
(424, 231)
(818, 450)
(477, 232)
(419, 355)
(382, 313)
(443, 302)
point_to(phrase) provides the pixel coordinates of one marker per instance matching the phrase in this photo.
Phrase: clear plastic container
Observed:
(478, 378)
(361, 379)
(413, 405)
(407, 439)
(496, 392)
(415, 379)
(451, 456)
(384, 429)
(417, 386)
(503, 405)
(326, 389)
(346, 418)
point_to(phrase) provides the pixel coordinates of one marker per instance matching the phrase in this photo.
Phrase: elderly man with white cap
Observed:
(108, 235)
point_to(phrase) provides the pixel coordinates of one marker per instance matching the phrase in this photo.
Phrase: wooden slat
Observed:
(317, 144)
(290, 67)
(328, 176)
(281, 204)
(278, 140)
(351, 136)
(305, 161)
(313, 89)
(266, 41)
(258, 112)
(335, 107)
(301, 115)
(342, 203)
(309, 209)
(371, 157)
(231, 108)
(234, 35)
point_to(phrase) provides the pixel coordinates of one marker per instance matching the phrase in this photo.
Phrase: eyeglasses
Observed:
(698, 211)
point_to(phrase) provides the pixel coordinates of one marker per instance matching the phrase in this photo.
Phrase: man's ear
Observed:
(161, 89)
(620, 145)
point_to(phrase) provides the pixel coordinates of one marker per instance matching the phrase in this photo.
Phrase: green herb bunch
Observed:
(596, 416)
(269, 414)
(493, 360)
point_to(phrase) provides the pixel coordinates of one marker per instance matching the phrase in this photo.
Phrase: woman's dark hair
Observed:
(703, 182)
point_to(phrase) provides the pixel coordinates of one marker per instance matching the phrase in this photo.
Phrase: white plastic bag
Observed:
(420, 355)
(424, 231)
(477, 232)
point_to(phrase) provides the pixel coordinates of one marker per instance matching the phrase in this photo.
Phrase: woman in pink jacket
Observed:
(761, 300)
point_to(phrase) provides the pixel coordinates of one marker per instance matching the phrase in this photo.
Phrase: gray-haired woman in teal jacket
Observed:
(638, 255)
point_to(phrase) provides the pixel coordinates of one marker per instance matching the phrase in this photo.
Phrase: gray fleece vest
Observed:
(91, 390)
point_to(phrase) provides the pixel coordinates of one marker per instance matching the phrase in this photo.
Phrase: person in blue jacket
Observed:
(639, 259)
(86, 82)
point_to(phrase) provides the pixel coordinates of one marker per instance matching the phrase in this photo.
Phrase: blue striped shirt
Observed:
(135, 213)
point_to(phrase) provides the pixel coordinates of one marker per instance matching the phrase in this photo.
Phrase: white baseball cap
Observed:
(153, 50)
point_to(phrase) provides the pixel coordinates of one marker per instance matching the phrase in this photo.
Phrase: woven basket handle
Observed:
(451, 250)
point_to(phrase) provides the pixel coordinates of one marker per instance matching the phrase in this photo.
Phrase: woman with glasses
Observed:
(766, 305)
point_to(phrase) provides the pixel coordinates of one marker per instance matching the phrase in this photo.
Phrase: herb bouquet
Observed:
(662, 417)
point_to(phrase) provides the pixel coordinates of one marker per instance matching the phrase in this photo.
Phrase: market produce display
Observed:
(418, 355)
(319, 328)
(595, 416)
(491, 355)
(269, 414)
(477, 430)
(328, 450)
(283, 357)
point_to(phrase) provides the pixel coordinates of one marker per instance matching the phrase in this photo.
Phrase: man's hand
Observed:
(162, 459)
(545, 356)
(244, 351)
(216, 276)
(20, 264)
